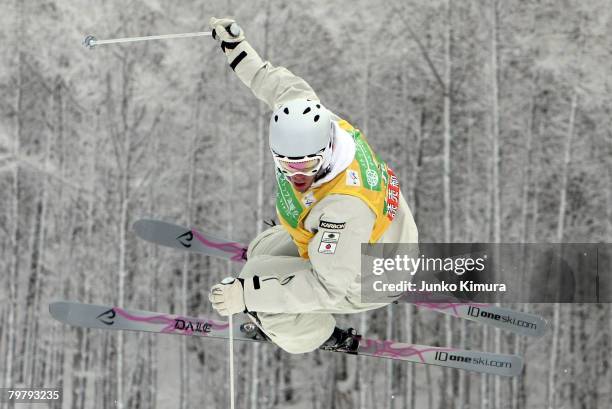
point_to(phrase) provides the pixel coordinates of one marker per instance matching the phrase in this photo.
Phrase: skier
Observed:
(333, 194)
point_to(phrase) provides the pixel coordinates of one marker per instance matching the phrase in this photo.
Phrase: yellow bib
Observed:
(367, 177)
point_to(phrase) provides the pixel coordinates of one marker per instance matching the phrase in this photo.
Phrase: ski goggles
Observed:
(308, 165)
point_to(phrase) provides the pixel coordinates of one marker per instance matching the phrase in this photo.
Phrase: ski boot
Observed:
(252, 331)
(342, 341)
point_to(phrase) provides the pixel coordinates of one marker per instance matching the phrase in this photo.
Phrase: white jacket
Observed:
(328, 281)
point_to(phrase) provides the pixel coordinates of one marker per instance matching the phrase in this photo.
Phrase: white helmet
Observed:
(301, 137)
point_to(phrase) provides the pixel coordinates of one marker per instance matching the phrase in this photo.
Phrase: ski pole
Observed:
(231, 361)
(230, 280)
(91, 41)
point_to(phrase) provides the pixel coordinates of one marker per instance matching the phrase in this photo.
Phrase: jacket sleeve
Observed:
(273, 85)
(341, 223)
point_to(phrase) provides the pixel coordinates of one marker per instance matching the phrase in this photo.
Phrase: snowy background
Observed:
(496, 115)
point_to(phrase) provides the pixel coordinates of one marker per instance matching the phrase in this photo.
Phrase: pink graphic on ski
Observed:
(190, 239)
(237, 250)
(175, 324)
(392, 349)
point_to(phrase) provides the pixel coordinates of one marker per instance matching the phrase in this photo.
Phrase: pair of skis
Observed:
(171, 235)
(107, 317)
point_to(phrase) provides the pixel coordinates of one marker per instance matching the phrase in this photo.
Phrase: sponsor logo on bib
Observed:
(352, 178)
(329, 241)
(330, 225)
(309, 199)
(372, 177)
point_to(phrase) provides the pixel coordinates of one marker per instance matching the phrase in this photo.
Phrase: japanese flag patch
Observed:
(328, 243)
(327, 248)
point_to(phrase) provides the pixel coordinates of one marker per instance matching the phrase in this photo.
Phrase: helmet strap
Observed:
(323, 172)
(328, 157)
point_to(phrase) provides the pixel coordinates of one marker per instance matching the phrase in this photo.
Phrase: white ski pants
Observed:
(295, 333)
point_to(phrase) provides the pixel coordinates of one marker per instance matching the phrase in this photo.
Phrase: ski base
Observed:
(116, 318)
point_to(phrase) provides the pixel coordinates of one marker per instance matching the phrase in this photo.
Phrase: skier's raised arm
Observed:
(273, 85)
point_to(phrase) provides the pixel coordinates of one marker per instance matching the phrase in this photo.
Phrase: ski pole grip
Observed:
(235, 30)
(228, 280)
(89, 42)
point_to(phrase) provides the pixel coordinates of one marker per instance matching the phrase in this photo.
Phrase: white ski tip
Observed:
(60, 310)
(159, 232)
(142, 227)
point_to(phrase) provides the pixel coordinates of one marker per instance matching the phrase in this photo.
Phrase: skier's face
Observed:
(301, 183)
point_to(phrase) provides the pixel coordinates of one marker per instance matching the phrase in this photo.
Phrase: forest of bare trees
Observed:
(496, 116)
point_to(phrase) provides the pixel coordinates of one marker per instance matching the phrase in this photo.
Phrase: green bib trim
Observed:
(370, 171)
(287, 204)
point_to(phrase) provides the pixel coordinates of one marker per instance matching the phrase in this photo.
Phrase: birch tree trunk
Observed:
(31, 332)
(123, 139)
(188, 211)
(14, 232)
(29, 288)
(364, 383)
(497, 380)
(122, 275)
(86, 347)
(410, 369)
(484, 378)
(518, 382)
(462, 375)
(447, 401)
(609, 359)
(261, 160)
(447, 125)
(552, 368)
(468, 238)
(430, 400)
(527, 168)
(4, 309)
(495, 124)
(152, 342)
(496, 167)
(40, 252)
(389, 396)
